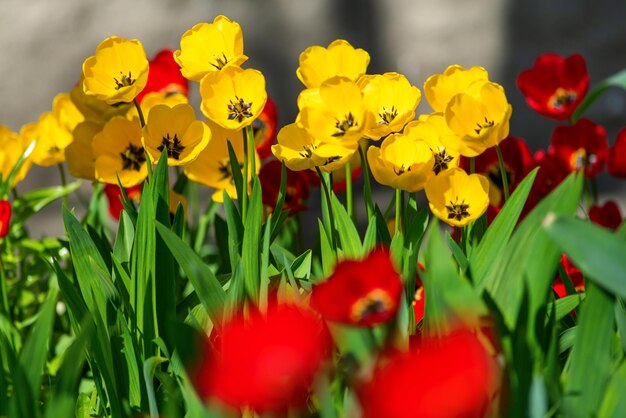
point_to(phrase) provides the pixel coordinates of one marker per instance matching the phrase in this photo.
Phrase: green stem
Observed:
(3, 289)
(244, 185)
(505, 180)
(251, 148)
(593, 186)
(63, 182)
(472, 165)
(139, 112)
(349, 201)
(330, 225)
(367, 188)
(399, 204)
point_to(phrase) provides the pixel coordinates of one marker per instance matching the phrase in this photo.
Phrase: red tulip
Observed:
(164, 75)
(114, 196)
(266, 362)
(582, 146)
(607, 215)
(5, 217)
(555, 86)
(617, 156)
(297, 187)
(264, 128)
(363, 293)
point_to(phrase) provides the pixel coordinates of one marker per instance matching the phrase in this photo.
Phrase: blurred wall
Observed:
(43, 45)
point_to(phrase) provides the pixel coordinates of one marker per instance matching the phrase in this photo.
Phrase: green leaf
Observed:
(34, 201)
(369, 240)
(493, 244)
(596, 251)
(202, 278)
(348, 235)
(563, 306)
(328, 255)
(251, 240)
(235, 231)
(614, 402)
(591, 354)
(149, 367)
(616, 80)
(236, 171)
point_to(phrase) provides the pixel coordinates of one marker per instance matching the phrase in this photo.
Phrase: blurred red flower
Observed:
(418, 299)
(574, 274)
(114, 196)
(582, 146)
(5, 217)
(438, 378)
(555, 86)
(360, 292)
(264, 128)
(164, 75)
(297, 187)
(265, 362)
(607, 215)
(617, 156)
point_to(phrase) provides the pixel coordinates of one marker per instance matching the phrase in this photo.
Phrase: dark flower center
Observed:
(562, 98)
(481, 126)
(387, 116)
(343, 126)
(493, 173)
(133, 157)
(442, 159)
(308, 151)
(220, 62)
(401, 170)
(581, 159)
(124, 81)
(239, 109)
(172, 145)
(458, 211)
(375, 302)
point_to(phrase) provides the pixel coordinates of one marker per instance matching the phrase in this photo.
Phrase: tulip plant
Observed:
(503, 297)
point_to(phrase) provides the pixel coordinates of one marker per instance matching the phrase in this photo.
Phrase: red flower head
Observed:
(439, 378)
(266, 362)
(296, 192)
(607, 215)
(581, 146)
(164, 75)
(555, 85)
(363, 293)
(114, 195)
(552, 171)
(574, 274)
(264, 128)
(5, 217)
(518, 161)
(418, 299)
(617, 156)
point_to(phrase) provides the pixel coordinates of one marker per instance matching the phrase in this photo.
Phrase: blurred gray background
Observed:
(43, 44)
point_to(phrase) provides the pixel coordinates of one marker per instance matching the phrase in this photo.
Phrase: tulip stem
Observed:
(63, 182)
(244, 182)
(399, 211)
(251, 149)
(139, 112)
(472, 165)
(367, 188)
(329, 223)
(505, 179)
(349, 200)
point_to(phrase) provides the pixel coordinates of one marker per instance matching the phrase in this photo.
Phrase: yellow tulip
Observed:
(318, 64)
(209, 47)
(79, 154)
(118, 71)
(457, 198)
(441, 88)
(11, 149)
(433, 130)
(156, 98)
(52, 139)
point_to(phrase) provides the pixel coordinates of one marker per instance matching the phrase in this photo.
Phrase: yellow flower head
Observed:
(79, 154)
(212, 167)
(52, 139)
(209, 47)
(480, 117)
(318, 64)
(118, 152)
(433, 130)
(335, 113)
(118, 71)
(66, 111)
(11, 149)
(457, 198)
(390, 102)
(95, 109)
(176, 131)
(300, 151)
(156, 98)
(233, 98)
(401, 162)
(440, 88)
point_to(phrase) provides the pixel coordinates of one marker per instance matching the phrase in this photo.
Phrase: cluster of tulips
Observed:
(369, 326)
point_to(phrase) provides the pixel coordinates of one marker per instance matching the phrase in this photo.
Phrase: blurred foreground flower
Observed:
(118, 72)
(364, 292)
(555, 86)
(265, 362)
(450, 377)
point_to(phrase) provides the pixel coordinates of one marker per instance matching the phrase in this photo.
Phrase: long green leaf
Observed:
(349, 239)
(251, 241)
(616, 80)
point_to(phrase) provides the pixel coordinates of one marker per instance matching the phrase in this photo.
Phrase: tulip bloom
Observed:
(52, 139)
(210, 47)
(164, 76)
(433, 130)
(607, 215)
(233, 98)
(12, 146)
(390, 102)
(5, 217)
(439, 89)
(555, 86)
(453, 376)
(79, 154)
(118, 152)
(118, 72)
(114, 196)
(296, 191)
(457, 198)
(266, 362)
(265, 128)
(318, 64)
(574, 274)
(617, 156)
(582, 146)
(175, 130)
(360, 292)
